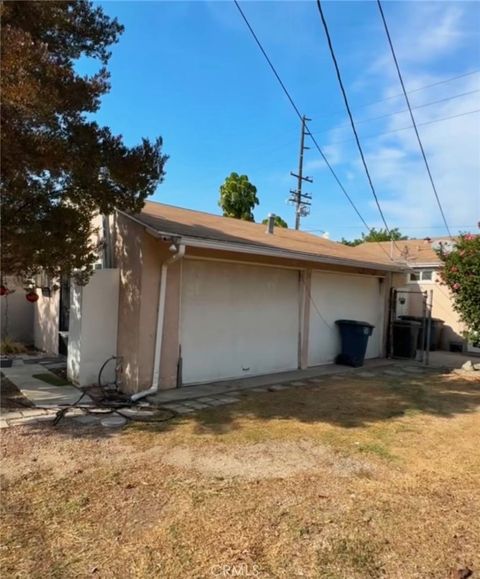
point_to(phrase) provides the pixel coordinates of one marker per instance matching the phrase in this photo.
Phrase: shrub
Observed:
(461, 274)
(9, 346)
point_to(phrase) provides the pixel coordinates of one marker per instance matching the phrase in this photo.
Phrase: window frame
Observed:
(419, 273)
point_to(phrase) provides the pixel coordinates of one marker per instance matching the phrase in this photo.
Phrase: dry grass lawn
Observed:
(352, 477)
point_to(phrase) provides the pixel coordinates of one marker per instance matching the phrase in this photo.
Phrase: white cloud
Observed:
(429, 32)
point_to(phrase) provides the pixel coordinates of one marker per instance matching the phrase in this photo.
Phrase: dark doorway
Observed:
(64, 316)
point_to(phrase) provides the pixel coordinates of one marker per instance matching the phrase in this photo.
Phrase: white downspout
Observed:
(160, 319)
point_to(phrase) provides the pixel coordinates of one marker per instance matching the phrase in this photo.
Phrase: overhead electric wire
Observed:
(299, 114)
(373, 136)
(441, 119)
(379, 4)
(352, 122)
(421, 106)
(418, 89)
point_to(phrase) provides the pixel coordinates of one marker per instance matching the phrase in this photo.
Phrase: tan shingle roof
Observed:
(413, 251)
(215, 228)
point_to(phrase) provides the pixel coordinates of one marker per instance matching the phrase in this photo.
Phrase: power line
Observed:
(300, 116)
(422, 106)
(401, 227)
(441, 119)
(379, 4)
(374, 135)
(347, 105)
(418, 89)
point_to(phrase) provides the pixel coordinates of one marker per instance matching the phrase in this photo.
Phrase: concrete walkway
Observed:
(227, 388)
(38, 391)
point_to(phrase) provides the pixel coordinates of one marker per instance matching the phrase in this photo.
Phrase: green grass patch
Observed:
(52, 379)
(375, 448)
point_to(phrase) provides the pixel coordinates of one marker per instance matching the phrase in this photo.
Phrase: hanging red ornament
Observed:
(32, 297)
(3, 290)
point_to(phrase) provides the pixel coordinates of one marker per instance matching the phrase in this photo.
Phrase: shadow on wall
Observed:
(46, 322)
(16, 314)
(129, 257)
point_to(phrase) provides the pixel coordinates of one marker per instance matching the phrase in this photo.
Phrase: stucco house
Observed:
(183, 297)
(187, 297)
(421, 266)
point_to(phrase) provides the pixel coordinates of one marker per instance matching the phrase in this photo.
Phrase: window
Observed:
(420, 275)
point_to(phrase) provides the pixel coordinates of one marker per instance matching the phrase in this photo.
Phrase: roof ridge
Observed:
(243, 221)
(199, 211)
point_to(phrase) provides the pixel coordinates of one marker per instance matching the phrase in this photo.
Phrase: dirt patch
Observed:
(267, 460)
(353, 479)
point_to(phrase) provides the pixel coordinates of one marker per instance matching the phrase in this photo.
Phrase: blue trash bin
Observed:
(354, 338)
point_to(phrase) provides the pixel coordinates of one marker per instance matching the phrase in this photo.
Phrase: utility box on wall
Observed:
(92, 335)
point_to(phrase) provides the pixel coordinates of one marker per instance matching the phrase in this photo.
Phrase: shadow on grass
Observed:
(347, 402)
(352, 402)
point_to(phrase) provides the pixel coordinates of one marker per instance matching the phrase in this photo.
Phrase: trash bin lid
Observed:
(406, 323)
(354, 323)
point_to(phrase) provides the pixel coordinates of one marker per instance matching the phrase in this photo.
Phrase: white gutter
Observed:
(160, 319)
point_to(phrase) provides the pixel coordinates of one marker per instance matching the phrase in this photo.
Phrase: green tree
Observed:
(461, 274)
(376, 235)
(279, 222)
(59, 167)
(238, 197)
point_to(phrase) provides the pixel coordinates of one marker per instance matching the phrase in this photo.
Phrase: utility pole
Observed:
(302, 201)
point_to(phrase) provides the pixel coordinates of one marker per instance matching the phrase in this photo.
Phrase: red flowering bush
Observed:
(461, 274)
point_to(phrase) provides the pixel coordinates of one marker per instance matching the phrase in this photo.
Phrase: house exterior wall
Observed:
(442, 306)
(171, 352)
(139, 257)
(93, 328)
(16, 314)
(46, 319)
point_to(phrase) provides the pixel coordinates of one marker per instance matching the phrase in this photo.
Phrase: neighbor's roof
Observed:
(205, 229)
(411, 251)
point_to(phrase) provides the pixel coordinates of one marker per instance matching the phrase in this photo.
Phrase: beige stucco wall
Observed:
(16, 313)
(45, 327)
(442, 306)
(139, 257)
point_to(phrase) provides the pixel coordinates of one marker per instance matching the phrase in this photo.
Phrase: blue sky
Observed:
(190, 72)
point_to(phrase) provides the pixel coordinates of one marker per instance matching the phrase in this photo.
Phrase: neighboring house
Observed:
(421, 273)
(205, 298)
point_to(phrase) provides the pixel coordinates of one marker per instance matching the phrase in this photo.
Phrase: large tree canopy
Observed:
(376, 235)
(238, 197)
(58, 166)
